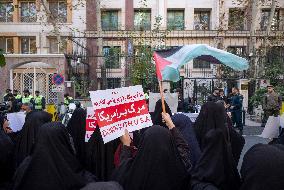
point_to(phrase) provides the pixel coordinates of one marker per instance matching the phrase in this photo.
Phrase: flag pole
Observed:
(162, 96)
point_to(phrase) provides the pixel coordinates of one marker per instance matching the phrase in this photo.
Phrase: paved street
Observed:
(251, 132)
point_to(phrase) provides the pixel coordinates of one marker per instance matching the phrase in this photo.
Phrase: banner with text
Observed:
(120, 109)
(91, 123)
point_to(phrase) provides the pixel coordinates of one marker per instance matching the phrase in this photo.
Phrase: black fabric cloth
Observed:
(262, 168)
(100, 156)
(26, 138)
(6, 150)
(157, 114)
(157, 164)
(183, 148)
(185, 126)
(211, 116)
(111, 185)
(217, 164)
(77, 129)
(213, 98)
(53, 164)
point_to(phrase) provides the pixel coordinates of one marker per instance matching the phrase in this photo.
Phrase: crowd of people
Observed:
(173, 154)
(15, 101)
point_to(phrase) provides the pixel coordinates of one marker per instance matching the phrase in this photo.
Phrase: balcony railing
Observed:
(178, 33)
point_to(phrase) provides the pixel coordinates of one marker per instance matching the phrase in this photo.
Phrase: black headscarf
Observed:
(100, 156)
(157, 114)
(156, 166)
(211, 116)
(111, 185)
(217, 164)
(262, 168)
(77, 129)
(6, 150)
(26, 138)
(53, 164)
(185, 126)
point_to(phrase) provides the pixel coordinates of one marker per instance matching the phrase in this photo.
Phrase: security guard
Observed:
(7, 95)
(67, 99)
(27, 98)
(236, 108)
(18, 97)
(272, 103)
(39, 102)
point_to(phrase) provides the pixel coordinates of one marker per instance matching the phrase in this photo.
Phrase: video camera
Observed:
(4, 107)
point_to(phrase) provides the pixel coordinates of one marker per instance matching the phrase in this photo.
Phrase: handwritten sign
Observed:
(91, 123)
(16, 120)
(120, 109)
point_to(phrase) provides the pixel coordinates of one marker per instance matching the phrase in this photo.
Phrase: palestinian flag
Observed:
(168, 62)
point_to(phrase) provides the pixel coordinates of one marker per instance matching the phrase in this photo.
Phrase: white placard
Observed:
(16, 120)
(119, 109)
(271, 129)
(57, 88)
(170, 98)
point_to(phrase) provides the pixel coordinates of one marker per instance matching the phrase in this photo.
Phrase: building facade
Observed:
(110, 33)
(28, 37)
(119, 27)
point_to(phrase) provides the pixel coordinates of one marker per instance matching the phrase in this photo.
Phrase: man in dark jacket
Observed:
(236, 108)
(215, 96)
(272, 104)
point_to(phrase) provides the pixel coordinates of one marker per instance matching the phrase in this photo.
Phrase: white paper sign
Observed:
(282, 121)
(170, 98)
(91, 123)
(16, 120)
(271, 129)
(119, 109)
(57, 88)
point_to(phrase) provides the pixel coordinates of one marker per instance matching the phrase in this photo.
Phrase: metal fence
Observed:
(113, 54)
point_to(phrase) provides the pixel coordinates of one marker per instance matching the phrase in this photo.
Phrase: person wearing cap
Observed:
(18, 97)
(214, 97)
(7, 95)
(39, 101)
(67, 99)
(272, 103)
(27, 98)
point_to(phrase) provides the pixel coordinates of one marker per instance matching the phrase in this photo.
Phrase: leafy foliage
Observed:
(2, 58)
(143, 70)
(257, 98)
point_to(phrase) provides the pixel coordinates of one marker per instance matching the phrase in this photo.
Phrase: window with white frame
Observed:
(6, 11)
(55, 47)
(112, 56)
(28, 45)
(236, 19)
(59, 10)
(142, 19)
(28, 11)
(237, 50)
(175, 20)
(109, 20)
(202, 19)
(6, 44)
(265, 14)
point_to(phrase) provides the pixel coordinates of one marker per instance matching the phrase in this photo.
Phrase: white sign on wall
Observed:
(57, 88)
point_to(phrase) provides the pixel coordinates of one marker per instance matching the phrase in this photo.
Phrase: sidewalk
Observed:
(252, 128)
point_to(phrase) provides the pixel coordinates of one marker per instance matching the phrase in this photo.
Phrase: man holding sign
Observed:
(120, 109)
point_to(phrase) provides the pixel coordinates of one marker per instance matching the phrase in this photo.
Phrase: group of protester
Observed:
(233, 104)
(173, 154)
